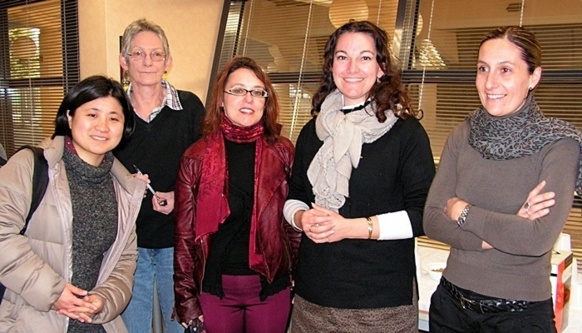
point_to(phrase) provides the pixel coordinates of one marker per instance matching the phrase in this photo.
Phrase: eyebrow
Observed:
(505, 62)
(244, 86)
(362, 52)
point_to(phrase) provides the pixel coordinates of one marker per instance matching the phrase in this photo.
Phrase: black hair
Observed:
(87, 90)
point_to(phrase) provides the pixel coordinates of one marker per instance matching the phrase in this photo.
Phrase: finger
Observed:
(84, 318)
(322, 227)
(540, 213)
(77, 291)
(536, 189)
(69, 314)
(322, 237)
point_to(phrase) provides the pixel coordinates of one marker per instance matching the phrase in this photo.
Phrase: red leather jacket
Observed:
(277, 243)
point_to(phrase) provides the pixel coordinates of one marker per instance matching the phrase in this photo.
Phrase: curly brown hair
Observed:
(387, 93)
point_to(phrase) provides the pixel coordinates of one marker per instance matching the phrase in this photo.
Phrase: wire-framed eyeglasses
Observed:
(256, 92)
(140, 55)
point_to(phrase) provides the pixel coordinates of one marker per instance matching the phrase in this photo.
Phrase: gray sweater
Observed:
(519, 265)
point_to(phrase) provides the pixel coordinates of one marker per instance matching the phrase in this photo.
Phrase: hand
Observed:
(454, 208)
(85, 314)
(537, 205)
(73, 303)
(159, 197)
(316, 224)
(195, 325)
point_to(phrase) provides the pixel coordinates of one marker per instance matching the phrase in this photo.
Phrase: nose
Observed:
(352, 66)
(102, 125)
(491, 80)
(147, 59)
(248, 98)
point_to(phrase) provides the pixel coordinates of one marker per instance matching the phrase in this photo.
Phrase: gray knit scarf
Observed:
(342, 136)
(521, 134)
(94, 226)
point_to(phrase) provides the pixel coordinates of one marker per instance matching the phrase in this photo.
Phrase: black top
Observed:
(156, 148)
(229, 248)
(394, 174)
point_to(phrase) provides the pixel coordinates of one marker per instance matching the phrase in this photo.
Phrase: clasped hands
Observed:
(322, 225)
(77, 304)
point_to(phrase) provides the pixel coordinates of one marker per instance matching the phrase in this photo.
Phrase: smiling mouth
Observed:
(353, 80)
(495, 96)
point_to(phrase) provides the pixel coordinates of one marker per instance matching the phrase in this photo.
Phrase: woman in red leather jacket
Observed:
(233, 250)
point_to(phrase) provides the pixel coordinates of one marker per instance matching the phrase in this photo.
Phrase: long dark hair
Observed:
(387, 93)
(87, 90)
(215, 112)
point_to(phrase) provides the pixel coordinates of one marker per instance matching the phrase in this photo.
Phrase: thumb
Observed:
(77, 291)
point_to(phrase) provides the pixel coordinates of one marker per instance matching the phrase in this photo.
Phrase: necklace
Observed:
(357, 107)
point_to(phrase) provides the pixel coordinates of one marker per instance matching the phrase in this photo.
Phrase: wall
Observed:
(190, 25)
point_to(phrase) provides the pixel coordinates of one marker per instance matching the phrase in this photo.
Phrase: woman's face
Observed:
(503, 79)
(355, 68)
(96, 128)
(243, 110)
(143, 71)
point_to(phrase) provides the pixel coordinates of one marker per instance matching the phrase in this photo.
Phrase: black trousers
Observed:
(447, 315)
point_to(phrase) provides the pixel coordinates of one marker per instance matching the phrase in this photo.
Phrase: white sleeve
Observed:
(395, 225)
(291, 207)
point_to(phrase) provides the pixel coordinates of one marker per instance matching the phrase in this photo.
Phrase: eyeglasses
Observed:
(238, 91)
(141, 55)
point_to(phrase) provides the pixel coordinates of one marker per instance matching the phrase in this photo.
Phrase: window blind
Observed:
(287, 38)
(441, 65)
(39, 63)
(436, 44)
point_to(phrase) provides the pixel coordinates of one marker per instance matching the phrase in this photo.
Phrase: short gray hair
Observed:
(138, 26)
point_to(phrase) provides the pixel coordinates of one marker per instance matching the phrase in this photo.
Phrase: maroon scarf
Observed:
(213, 186)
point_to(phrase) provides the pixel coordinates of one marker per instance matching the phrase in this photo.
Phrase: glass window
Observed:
(436, 44)
(38, 40)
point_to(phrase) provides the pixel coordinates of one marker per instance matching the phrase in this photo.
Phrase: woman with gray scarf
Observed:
(362, 170)
(481, 203)
(72, 270)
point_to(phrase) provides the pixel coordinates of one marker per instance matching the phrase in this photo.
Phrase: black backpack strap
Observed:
(40, 181)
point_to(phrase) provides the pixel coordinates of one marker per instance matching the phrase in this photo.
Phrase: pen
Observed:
(162, 202)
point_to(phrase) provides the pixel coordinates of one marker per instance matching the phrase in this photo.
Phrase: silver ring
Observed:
(526, 205)
(317, 224)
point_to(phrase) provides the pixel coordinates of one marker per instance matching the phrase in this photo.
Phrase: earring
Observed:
(530, 88)
(377, 79)
(165, 75)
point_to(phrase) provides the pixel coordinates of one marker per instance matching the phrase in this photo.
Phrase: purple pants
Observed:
(241, 310)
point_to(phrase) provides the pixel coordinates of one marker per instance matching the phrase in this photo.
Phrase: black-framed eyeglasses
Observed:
(256, 92)
(140, 55)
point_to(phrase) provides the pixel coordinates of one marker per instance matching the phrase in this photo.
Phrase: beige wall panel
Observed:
(190, 25)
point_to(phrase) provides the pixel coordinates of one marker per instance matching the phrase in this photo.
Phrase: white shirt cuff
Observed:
(291, 207)
(394, 226)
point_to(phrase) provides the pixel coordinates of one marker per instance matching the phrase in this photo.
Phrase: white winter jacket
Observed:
(35, 267)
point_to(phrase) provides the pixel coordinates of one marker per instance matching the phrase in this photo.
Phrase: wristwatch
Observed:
(463, 215)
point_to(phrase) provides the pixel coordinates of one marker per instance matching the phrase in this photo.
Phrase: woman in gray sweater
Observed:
(481, 202)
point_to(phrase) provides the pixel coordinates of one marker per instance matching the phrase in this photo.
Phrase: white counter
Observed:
(427, 286)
